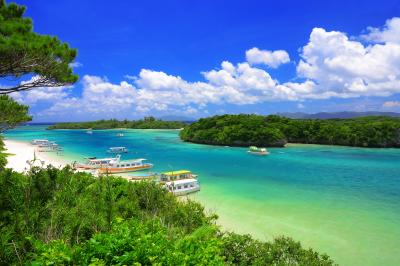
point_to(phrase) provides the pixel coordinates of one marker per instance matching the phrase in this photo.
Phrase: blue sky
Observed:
(161, 58)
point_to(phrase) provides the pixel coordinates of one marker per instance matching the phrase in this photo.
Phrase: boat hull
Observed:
(183, 192)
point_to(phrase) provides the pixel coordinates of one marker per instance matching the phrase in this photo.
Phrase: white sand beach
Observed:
(22, 152)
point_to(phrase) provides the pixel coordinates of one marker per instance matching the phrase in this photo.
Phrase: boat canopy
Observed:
(174, 173)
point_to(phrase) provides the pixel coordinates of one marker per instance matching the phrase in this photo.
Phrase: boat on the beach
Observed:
(183, 186)
(257, 151)
(117, 150)
(176, 175)
(118, 166)
(95, 163)
(39, 141)
(49, 146)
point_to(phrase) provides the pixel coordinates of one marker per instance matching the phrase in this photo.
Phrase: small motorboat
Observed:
(117, 150)
(120, 134)
(257, 151)
(40, 142)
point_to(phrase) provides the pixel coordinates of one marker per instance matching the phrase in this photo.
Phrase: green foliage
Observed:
(247, 130)
(12, 113)
(146, 123)
(59, 217)
(24, 52)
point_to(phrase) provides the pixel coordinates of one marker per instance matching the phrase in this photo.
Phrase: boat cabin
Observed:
(176, 175)
(183, 187)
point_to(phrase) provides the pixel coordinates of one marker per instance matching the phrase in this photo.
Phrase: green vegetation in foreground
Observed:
(59, 217)
(247, 130)
(146, 123)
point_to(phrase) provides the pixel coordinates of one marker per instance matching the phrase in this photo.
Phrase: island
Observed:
(276, 131)
(146, 123)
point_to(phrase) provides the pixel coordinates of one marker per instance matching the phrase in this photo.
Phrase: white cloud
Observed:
(272, 59)
(391, 104)
(389, 33)
(340, 67)
(300, 106)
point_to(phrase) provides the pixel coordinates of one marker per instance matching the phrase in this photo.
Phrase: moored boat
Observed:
(95, 163)
(40, 141)
(183, 186)
(89, 131)
(117, 150)
(176, 175)
(120, 134)
(257, 151)
(118, 166)
(50, 146)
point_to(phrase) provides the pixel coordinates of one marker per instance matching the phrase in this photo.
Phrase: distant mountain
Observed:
(325, 115)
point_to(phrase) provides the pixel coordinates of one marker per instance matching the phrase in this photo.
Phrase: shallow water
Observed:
(339, 200)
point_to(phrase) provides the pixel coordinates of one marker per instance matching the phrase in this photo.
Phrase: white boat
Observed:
(95, 163)
(117, 150)
(49, 147)
(183, 186)
(120, 135)
(257, 151)
(118, 166)
(89, 131)
(40, 141)
(176, 175)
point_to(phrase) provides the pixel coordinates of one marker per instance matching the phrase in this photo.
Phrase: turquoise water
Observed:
(339, 200)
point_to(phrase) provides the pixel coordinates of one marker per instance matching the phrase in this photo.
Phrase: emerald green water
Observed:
(339, 200)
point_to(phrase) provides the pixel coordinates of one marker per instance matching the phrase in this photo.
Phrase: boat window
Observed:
(179, 187)
(185, 186)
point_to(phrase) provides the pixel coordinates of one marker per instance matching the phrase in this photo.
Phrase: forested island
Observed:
(276, 131)
(146, 123)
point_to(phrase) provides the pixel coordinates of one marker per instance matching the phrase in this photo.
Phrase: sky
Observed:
(201, 58)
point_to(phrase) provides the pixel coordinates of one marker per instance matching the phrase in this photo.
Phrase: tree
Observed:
(12, 113)
(45, 59)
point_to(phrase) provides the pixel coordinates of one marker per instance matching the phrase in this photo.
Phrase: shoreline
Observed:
(21, 152)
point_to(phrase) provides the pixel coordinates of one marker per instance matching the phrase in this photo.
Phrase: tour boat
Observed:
(183, 186)
(117, 150)
(39, 141)
(95, 163)
(117, 166)
(49, 147)
(257, 151)
(176, 175)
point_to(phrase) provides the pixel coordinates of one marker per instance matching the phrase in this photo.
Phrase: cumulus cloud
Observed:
(389, 33)
(340, 67)
(272, 59)
(391, 104)
(331, 65)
